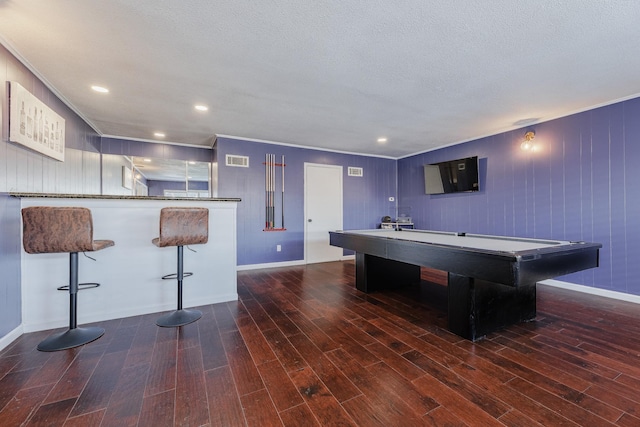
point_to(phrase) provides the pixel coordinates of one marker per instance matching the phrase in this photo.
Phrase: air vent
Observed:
(237, 161)
(354, 171)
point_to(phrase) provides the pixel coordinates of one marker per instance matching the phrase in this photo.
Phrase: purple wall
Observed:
(579, 186)
(365, 198)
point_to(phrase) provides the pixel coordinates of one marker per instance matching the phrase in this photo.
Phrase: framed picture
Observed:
(33, 124)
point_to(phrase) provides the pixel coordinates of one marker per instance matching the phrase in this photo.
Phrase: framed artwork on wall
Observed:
(33, 124)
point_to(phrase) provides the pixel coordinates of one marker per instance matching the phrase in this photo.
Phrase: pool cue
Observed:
(273, 189)
(269, 202)
(282, 207)
(266, 191)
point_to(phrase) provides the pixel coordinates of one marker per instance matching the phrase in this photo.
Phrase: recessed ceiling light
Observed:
(100, 89)
(146, 160)
(192, 162)
(201, 108)
(159, 134)
(382, 140)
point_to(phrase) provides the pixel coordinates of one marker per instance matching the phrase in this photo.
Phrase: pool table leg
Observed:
(478, 307)
(374, 273)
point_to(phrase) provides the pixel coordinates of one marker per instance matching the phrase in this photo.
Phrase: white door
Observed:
(323, 211)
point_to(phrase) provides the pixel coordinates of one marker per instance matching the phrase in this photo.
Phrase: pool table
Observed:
(491, 279)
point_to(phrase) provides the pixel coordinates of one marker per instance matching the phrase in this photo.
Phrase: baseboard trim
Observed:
(284, 264)
(11, 337)
(270, 265)
(592, 291)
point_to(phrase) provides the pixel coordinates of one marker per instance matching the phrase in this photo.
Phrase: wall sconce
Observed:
(527, 144)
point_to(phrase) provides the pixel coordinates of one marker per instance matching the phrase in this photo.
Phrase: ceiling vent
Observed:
(237, 161)
(354, 171)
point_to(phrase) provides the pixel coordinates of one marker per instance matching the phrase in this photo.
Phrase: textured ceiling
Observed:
(332, 74)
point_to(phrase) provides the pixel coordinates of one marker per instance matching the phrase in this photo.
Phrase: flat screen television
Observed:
(451, 177)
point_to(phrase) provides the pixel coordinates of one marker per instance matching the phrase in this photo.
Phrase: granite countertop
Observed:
(115, 197)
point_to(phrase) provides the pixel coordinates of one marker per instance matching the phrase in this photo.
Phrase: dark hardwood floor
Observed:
(303, 347)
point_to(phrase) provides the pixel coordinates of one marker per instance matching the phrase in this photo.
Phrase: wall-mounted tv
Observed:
(452, 176)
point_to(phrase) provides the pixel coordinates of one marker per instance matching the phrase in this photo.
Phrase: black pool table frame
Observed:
(487, 289)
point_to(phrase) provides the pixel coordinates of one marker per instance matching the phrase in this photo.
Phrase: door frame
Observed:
(340, 168)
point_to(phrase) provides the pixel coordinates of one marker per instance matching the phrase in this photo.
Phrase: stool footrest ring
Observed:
(175, 276)
(81, 286)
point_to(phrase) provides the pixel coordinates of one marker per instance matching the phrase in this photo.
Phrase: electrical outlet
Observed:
(392, 199)
(278, 248)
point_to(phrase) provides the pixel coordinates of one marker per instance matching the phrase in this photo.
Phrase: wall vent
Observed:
(237, 161)
(354, 171)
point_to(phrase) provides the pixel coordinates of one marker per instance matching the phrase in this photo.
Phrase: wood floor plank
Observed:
(402, 365)
(382, 390)
(282, 390)
(53, 414)
(561, 406)
(460, 384)
(75, 378)
(50, 371)
(213, 354)
(188, 336)
(126, 401)
(245, 373)
(324, 405)
(90, 419)
(309, 328)
(224, 402)
(25, 402)
(440, 416)
(162, 370)
(192, 408)
(338, 383)
(298, 416)
(454, 402)
(158, 410)
(255, 341)
(259, 410)
(141, 349)
(365, 356)
(100, 387)
(287, 354)
(364, 413)
(260, 317)
(12, 383)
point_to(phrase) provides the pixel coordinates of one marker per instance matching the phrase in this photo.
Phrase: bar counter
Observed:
(130, 272)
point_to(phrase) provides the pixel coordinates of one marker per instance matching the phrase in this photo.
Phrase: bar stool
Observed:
(62, 230)
(181, 227)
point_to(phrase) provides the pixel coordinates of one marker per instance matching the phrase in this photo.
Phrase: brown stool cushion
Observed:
(183, 226)
(59, 229)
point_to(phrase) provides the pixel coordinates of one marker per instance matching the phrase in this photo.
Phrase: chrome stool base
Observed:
(178, 318)
(71, 338)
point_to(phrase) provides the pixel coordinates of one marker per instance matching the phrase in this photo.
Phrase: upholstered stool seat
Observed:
(63, 230)
(181, 226)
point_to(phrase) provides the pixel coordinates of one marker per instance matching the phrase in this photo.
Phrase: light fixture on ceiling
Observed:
(99, 89)
(527, 144)
(201, 107)
(382, 140)
(159, 134)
